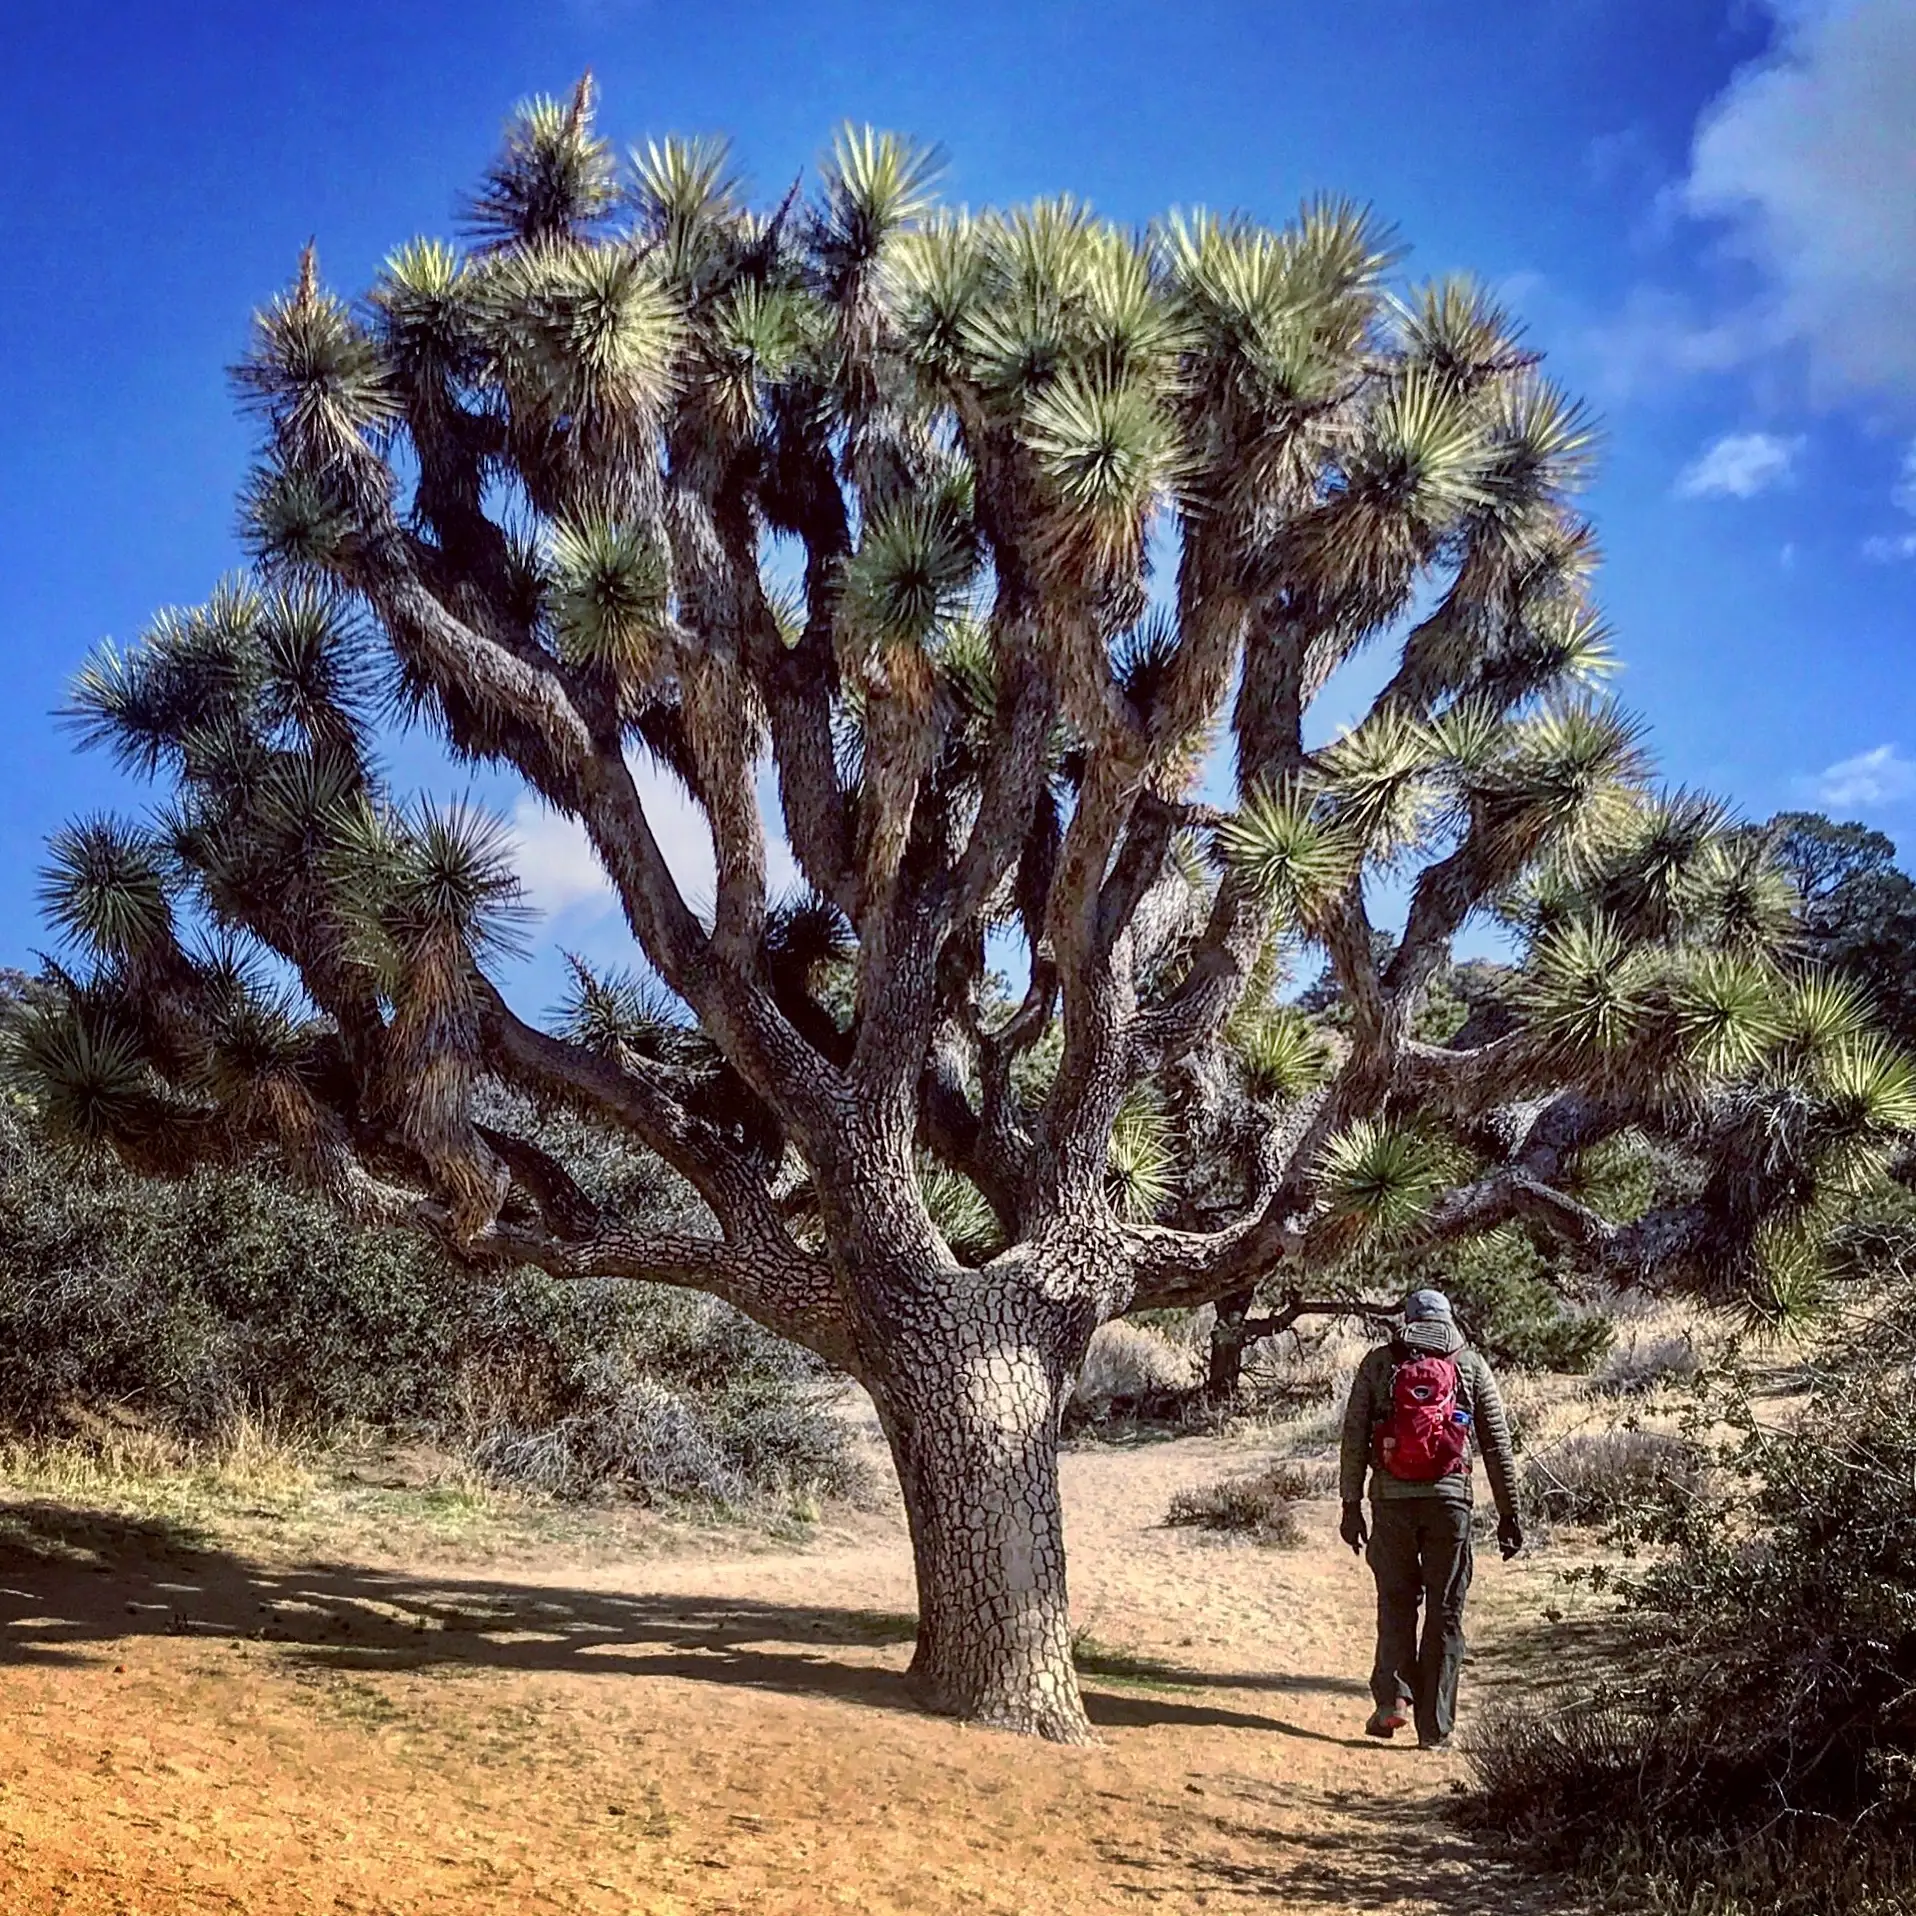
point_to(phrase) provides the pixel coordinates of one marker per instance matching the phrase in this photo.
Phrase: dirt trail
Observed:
(717, 1732)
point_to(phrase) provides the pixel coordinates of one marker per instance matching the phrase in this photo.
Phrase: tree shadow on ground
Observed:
(1305, 1854)
(73, 1580)
(1565, 1652)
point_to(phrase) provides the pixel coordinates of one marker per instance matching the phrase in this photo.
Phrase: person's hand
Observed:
(1352, 1529)
(1510, 1536)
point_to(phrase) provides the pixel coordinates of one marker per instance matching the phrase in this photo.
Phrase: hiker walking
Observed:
(1418, 1406)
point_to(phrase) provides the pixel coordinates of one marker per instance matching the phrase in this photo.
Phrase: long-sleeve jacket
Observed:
(1477, 1393)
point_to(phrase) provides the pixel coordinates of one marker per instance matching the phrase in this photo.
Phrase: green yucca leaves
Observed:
(609, 593)
(1423, 452)
(1792, 1278)
(1142, 657)
(1568, 779)
(937, 276)
(1647, 875)
(1129, 330)
(83, 1070)
(291, 521)
(581, 331)
(1820, 1013)
(1282, 844)
(1869, 1087)
(1336, 253)
(1139, 1170)
(256, 1034)
(1466, 739)
(425, 894)
(1726, 1012)
(959, 1211)
(106, 885)
(112, 704)
(683, 183)
(423, 306)
(459, 876)
(1275, 317)
(1544, 443)
(316, 374)
(753, 337)
(1456, 331)
(297, 803)
(912, 573)
(1280, 1054)
(1739, 896)
(1236, 295)
(1047, 250)
(621, 1015)
(312, 661)
(1016, 348)
(686, 196)
(968, 668)
(1377, 1180)
(1568, 645)
(1585, 987)
(192, 669)
(1107, 451)
(1378, 781)
(554, 180)
(876, 184)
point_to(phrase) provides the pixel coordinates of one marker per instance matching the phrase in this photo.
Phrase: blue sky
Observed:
(1705, 210)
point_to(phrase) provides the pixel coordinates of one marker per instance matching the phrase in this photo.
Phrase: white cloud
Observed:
(1658, 337)
(562, 875)
(1808, 157)
(1887, 549)
(556, 862)
(1738, 466)
(1879, 776)
(1904, 497)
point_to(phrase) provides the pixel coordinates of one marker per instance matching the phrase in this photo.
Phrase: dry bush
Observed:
(1133, 1363)
(1600, 1477)
(1659, 1346)
(1675, 1818)
(1260, 1506)
(1638, 1365)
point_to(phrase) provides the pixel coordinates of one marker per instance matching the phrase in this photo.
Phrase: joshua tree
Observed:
(941, 545)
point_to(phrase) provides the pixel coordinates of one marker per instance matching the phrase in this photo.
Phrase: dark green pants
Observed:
(1420, 1554)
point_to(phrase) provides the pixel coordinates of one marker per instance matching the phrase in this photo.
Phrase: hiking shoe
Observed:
(1438, 1744)
(1386, 1723)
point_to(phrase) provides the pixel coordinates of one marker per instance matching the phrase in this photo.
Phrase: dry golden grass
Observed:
(261, 1492)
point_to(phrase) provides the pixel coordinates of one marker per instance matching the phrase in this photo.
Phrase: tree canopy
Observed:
(996, 562)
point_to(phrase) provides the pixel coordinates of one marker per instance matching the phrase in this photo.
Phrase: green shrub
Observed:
(1776, 1624)
(191, 1305)
(1501, 1288)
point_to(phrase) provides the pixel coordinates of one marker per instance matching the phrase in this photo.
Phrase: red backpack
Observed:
(1424, 1435)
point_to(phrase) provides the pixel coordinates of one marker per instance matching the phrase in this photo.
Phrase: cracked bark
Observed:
(970, 1391)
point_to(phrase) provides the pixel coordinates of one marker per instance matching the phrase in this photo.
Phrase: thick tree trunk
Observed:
(971, 1409)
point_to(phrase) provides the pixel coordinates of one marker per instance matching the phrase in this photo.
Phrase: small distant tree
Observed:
(1859, 909)
(946, 546)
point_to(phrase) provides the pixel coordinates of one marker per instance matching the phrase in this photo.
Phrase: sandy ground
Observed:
(723, 1731)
